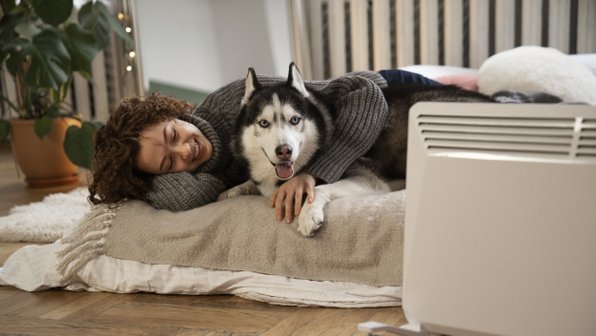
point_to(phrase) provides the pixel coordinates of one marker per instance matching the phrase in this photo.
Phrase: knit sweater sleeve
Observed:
(184, 191)
(361, 112)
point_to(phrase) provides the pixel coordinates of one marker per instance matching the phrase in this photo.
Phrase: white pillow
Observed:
(434, 71)
(34, 268)
(538, 69)
(588, 60)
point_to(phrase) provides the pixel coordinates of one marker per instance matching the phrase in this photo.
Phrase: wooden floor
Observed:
(57, 312)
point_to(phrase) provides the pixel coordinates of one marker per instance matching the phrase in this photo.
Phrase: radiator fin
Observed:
(514, 136)
(586, 146)
(344, 35)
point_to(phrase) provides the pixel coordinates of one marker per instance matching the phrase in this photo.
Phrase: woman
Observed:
(156, 150)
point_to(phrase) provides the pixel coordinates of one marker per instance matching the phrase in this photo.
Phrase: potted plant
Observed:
(42, 45)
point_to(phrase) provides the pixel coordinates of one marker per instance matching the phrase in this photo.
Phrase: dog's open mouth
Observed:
(284, 170)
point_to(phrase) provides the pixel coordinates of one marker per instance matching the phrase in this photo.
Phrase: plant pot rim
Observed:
(26, 119)
(53, 182)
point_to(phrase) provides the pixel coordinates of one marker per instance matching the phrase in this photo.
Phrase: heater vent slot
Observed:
(510, 135)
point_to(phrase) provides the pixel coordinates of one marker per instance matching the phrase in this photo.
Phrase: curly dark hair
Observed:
(114, 177)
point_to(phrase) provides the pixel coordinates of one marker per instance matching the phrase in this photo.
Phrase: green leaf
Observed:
(16, 51)
(8, 23)
(43, 126)
(78, 144)
(114, 24)
(50, 61)
(92, 18)
(81, 45)
(51, 66)
(4, 129)
(96, 124)
(53, 12)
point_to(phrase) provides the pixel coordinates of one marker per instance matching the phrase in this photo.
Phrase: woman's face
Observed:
(172, 146)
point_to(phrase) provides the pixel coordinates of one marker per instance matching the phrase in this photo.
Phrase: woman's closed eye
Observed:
(171, 163)
(174, 135)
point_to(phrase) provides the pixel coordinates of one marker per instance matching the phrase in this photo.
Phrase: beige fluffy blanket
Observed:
(361, 240)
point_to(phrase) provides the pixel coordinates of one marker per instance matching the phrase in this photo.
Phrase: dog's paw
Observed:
(246, 188)
(232, 192)
(310, 220)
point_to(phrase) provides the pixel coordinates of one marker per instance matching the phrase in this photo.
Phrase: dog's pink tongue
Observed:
(284, 170)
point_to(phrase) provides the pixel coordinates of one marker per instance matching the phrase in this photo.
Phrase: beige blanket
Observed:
(360, 242)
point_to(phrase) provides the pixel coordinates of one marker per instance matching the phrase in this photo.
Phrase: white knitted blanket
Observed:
(45, 221)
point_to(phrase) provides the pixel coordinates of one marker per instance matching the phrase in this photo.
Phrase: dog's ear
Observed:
(295, 80)
(250, 85)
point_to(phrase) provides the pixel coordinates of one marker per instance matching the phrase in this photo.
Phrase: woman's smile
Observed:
(172, 146)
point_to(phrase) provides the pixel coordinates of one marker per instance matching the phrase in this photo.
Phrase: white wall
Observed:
(204, 44)
(278, 18)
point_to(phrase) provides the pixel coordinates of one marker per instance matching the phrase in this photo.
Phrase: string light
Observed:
(126, 21)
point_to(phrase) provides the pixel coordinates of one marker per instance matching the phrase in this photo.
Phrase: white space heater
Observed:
(500, 227)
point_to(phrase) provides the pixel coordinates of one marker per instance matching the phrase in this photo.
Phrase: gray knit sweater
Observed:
(361, 112)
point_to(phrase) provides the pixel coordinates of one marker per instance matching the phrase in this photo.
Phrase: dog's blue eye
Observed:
(295, 120)
(263, 123)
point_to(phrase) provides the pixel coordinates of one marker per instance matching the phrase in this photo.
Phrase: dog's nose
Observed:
(283, 152)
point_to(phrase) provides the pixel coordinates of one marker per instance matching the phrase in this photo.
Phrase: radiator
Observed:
(332, 37)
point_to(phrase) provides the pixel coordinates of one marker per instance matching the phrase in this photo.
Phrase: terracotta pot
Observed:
(43, 162)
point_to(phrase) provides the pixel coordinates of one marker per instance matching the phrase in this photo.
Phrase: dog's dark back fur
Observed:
(388, 155)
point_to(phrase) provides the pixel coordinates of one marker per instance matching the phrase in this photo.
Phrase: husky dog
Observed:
(280, 128)
(278, 131)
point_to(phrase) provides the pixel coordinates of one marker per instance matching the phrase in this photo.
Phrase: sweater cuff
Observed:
(373, 76)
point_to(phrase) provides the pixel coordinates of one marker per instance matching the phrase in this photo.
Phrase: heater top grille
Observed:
(550, 137)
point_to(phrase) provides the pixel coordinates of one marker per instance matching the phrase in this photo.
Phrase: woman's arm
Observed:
(361, 112)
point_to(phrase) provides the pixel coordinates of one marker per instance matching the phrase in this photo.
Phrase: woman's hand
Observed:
(288, 197)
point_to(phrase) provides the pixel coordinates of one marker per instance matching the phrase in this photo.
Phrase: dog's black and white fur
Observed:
(280, 128)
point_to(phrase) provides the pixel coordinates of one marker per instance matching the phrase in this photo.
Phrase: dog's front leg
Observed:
(312, 214)
(246, 188)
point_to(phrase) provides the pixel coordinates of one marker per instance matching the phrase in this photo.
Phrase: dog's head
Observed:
(278, 127)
